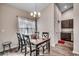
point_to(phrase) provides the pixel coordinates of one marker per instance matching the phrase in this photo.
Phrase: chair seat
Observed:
(33, 49)
(44, 44)
(28, 48)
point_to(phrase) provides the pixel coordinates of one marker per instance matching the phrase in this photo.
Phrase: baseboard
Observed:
(75, 52)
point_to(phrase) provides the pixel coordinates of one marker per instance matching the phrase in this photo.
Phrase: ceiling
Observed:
(29, 6)
(63, 7)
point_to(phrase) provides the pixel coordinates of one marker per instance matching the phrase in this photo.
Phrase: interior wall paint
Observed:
(46, 22)
(59, 16)
(8, 24)
(76, 28)
(57, 25)
(67, 15)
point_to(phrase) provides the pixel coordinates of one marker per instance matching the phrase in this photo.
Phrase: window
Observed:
(26, 26)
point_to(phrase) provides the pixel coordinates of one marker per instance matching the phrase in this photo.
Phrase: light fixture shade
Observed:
(31, 14)
(65, 7)
(35, 12)
(34, 15)
(39, 14)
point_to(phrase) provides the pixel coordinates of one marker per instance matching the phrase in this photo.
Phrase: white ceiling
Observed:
(29, 6)
(62, 6)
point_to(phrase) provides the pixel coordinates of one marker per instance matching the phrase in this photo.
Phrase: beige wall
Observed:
(46, 22)
(57, 26)
(8, 23)
(76, 28)
(67, 15)
(59, 16)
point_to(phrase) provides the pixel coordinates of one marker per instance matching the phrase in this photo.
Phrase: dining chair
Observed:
(35, 35)
(20, 42)
(28, 45)
(45, 35)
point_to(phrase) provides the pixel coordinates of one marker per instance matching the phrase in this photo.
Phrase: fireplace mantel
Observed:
(67, 30)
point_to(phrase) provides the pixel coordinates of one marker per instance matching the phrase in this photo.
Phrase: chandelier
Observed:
(35, 14)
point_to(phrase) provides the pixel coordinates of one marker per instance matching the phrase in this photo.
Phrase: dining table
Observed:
(40, 41)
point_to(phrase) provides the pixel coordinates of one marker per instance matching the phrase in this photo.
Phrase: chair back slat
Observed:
(37, 34)
(26, 39)
(19, 36)
(20, 39)
(45, 35)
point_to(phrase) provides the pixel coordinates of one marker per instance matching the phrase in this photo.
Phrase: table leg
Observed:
(30, 50)
(3, 49)
(43, 49)
(25, 50)
(19, 46)
(9, 47)
(48, 46)
(37, 50)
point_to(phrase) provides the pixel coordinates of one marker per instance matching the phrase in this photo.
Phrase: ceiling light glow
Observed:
(65, 6)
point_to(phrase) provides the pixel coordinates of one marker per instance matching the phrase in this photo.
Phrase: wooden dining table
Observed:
(38, 42)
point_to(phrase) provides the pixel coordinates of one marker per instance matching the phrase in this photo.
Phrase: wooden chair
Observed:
(35, 35)
(28, 44)
(20, 42)
(45, 35)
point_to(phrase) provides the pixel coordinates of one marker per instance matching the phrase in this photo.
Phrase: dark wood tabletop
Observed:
(38, 42)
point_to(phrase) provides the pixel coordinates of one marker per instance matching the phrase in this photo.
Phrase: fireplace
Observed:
(66, 36)
(67, 30)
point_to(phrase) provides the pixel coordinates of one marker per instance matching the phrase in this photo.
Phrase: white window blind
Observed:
(25, 25)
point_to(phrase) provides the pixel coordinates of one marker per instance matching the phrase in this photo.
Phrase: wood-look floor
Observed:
(59, 50)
